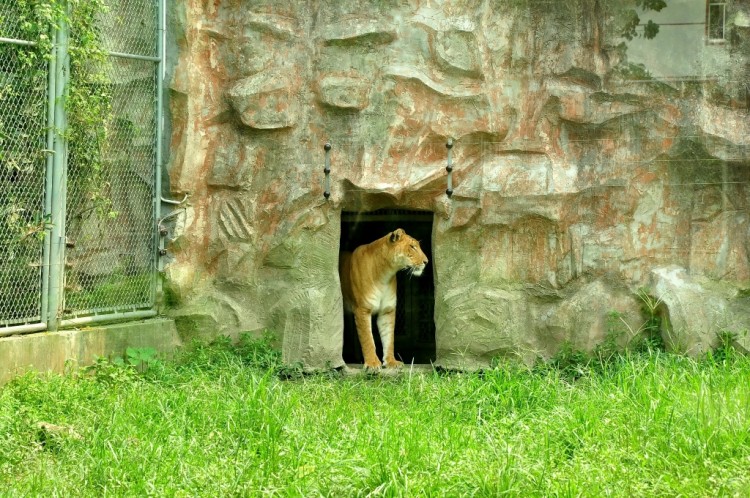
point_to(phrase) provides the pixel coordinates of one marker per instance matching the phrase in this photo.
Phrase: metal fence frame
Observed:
(53, 264)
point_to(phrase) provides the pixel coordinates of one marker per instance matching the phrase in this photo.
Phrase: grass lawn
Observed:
(220, 421)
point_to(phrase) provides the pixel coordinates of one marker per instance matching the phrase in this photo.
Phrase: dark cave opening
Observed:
(415, 323)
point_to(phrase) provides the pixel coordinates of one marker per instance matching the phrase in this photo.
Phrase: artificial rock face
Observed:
(577, 179)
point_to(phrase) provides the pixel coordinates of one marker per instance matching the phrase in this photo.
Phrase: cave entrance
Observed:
(415, 323)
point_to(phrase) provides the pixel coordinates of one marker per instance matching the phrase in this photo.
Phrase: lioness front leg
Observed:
(386, 325)
(363, 320)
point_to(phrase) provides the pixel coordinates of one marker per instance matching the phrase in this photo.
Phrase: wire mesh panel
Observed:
(23, 148)
(12, 17)
(110, 206)
(131, 27)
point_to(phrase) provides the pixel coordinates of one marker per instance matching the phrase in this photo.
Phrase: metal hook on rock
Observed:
(327, 170)
(449, 168)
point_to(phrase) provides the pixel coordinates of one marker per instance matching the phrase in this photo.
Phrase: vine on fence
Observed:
(24, 149)
(23, 104)
(89, 107)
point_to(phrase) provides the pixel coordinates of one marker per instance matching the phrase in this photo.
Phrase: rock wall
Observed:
(578, 180)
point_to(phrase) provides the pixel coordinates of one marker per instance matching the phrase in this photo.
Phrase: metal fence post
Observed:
(50, 160)
(58, 185)
(160, 42)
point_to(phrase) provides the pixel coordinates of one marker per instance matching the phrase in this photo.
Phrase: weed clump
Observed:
(199, 358)
(248, 351)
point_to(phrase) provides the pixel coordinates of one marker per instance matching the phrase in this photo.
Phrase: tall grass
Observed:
(221, 421)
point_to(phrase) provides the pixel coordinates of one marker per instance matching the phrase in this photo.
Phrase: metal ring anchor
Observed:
(163, 232)
(327, 170)
(449, 168)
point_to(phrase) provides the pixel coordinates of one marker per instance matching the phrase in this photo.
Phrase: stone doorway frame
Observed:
(416, 333)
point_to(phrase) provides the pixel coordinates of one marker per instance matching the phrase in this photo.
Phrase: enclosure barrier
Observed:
(79, 238)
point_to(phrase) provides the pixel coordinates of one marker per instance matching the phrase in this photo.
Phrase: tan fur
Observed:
(368, 283)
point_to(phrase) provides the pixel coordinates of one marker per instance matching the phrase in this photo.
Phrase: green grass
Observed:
(221, 421)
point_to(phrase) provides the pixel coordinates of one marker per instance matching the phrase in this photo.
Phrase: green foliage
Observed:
(124, 369)
(656, 5)
(625, 20)
(23, 87)
(109, 290)
(112, 371)
(609, 350)
(22, 226)
(248, 351)
(259, 352)
(23, 93)
(726, 349)
(656, 425)
(647, 337)
(89, 109)
(651, 330)
(571, 363)
(199, 358)
(650, 30)
(141, 358)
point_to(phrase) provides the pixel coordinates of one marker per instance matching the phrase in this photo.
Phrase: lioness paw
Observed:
(394, 364)
(372, 365)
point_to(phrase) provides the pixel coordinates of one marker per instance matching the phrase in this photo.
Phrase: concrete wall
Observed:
(49, 351)
(681, 50)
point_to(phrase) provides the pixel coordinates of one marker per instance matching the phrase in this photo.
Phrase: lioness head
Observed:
(406, 252)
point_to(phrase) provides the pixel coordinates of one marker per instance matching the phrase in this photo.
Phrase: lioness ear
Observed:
(396, 235)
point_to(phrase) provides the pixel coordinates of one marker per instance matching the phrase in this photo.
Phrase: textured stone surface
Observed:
(695, 311)
(575, 175)
(265, 101)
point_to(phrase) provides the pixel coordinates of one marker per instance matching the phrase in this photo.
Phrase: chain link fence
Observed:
(23, 146)
(109, 212)
(110, 258)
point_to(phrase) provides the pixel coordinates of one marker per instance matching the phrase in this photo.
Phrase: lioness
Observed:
(368, 283)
